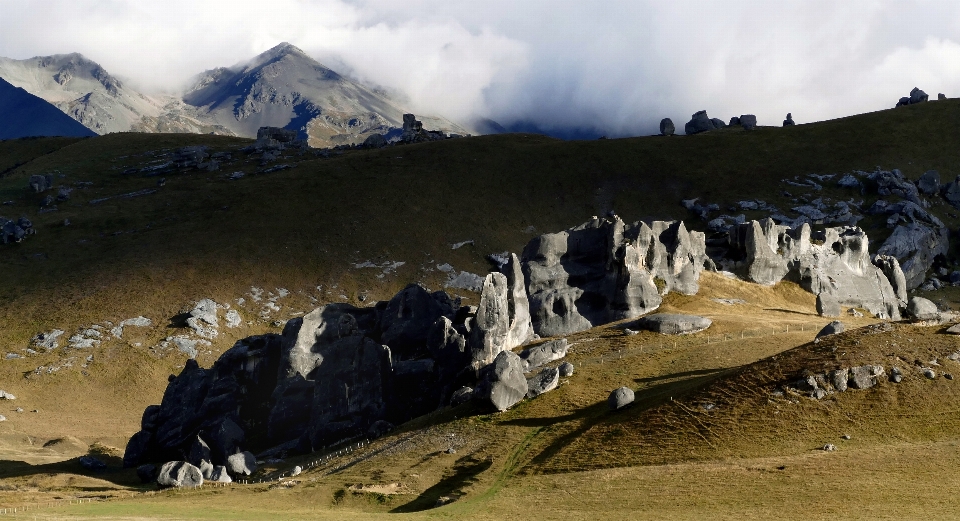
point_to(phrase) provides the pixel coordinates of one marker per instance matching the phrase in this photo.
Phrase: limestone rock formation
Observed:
(839, 266)
(748, 121)
(916, 245)
(241, 464)
(833, 328)
(604, 270)
(40, 183)
(789, 121)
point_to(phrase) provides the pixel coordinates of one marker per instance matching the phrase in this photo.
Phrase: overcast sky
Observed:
(617, 67)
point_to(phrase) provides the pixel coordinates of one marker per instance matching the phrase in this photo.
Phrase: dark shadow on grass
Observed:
(463, 473)
(113, 473)
(598, 413)
(699, 372)
(794, 312)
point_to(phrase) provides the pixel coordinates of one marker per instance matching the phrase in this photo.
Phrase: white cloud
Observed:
(617, 66)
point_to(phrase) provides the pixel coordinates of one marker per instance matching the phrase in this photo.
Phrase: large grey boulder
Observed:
(604, 271)
(536, 356)
(748, 121)
(241, 464)
(546, 380)
(220, 475)
(673, 324)
(698, 123)
(179, 474)
(620, 398)
(922, 309)
(566, 369)
(502, 384)
(666, 127)
(827, 305)
(929, 183)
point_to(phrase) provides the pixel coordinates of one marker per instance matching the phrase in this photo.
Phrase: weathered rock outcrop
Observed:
(916, 245)
(620, 398)
(334, 374)
(603, 271)
(839, 266)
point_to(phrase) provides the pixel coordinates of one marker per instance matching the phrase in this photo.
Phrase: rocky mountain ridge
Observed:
(281, 87)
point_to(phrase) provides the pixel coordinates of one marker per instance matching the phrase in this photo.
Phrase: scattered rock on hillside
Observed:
(48, 341)
(666, 127)
(534, 357)
(748, 121)
(849, 181)
(922, 309)
(832, 328)
(219, 474)
(40, 183)
(545, 381)
(4, 395)
(941, 96)
(734, 121)
(502, 384)
(865, 376)
(566, 369)
(789, 121)
(203, 319)
(929, 373)
(929, 183)
(620, 398)
(15, 231)
(896, 375)
(140, 321)
(233, 318)
(179, 474)
(673, 324)
(241, 464)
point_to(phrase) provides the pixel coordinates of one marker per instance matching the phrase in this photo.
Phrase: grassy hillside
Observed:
(304, 229)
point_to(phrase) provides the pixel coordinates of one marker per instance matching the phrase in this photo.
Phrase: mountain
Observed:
(22, 114)
(285, 87)
(86, 92)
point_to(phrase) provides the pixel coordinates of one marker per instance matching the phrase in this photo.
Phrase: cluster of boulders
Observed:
(916, 96)
(701, 122)
(15, 231)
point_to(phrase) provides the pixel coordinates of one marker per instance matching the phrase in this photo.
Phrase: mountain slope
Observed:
(284, 87)
(86, 92)
(22, 114)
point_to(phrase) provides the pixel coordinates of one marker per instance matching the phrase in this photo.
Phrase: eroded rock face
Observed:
(666, 127)
(603, 271)
(699, 122)
(542, 354)
(916, 245)
(839, 267)
(546, 380)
